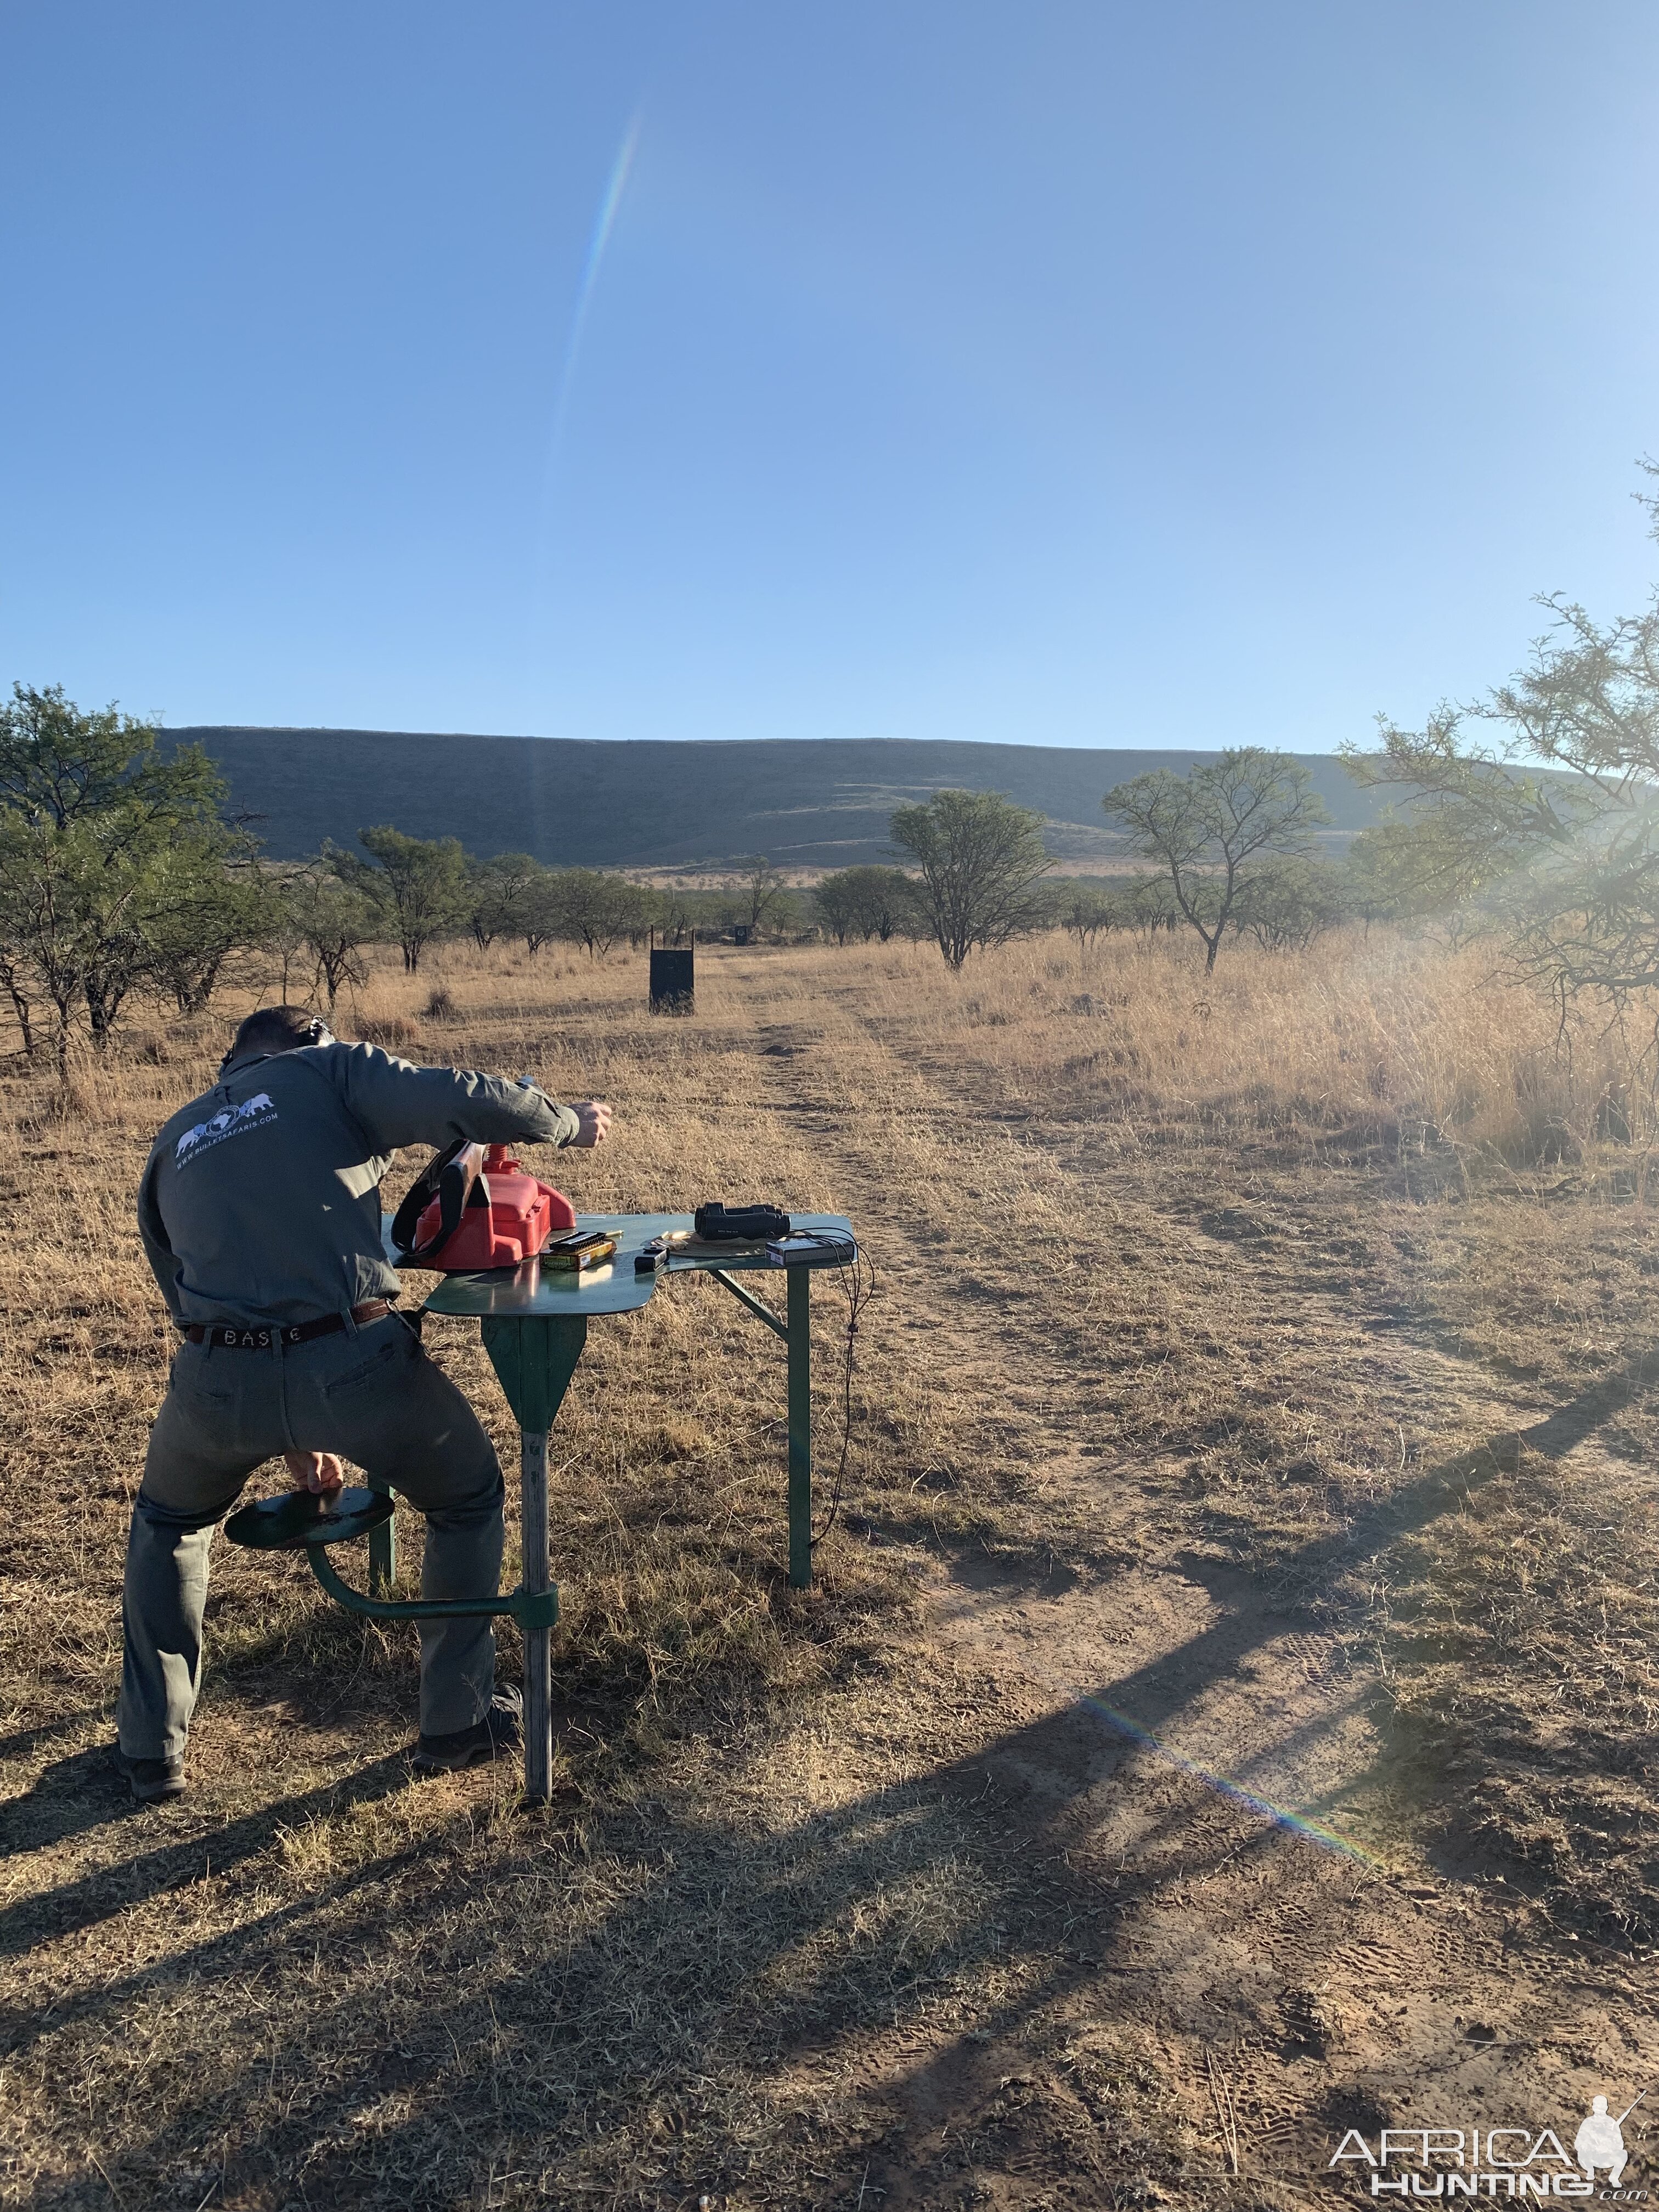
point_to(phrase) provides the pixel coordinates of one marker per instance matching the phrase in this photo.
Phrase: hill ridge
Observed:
(668, 803)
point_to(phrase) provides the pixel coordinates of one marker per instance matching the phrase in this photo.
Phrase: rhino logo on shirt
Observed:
(230, 1121)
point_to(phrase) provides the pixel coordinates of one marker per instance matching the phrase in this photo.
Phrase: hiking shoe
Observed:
(151, 1779)
(501, 1730)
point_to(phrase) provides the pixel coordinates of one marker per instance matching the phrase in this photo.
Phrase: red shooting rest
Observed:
(508, 1218)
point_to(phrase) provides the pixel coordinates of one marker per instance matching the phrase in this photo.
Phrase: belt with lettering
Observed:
(242, 1336)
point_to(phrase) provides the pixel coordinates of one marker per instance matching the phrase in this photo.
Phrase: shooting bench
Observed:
(534, 1324)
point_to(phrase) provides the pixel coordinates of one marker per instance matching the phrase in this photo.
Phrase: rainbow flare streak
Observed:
(1251, 1801)
(603, 223)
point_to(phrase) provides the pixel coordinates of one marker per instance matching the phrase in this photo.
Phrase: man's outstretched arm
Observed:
(396, 1104)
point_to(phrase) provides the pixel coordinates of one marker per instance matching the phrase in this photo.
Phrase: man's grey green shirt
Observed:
(261, 1199)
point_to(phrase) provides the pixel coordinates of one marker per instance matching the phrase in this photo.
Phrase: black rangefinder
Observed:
(739, 1224)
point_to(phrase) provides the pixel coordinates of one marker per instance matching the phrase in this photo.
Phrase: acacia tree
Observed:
(679, 911)
(498, 894)
(225, 908)
(882, 900)
(333, 922)
(857, 902)
(17, 971)
(539, 909)
(762, 895)
(1085, 910)
(595, 910)
(1215, 827)
(1564, 864)
(834, 904)
(116, 865)
(1149, 905)
(1290, 901)
(979, 857)
(416, 885)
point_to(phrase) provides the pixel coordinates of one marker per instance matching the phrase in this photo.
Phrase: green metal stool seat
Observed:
(301, 1517)
(300, 1520)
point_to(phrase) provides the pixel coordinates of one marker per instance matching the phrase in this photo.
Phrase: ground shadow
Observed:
(519, 2053)
(520, 2045)
(25, 1740)
(175, 1863)
(70, 1797)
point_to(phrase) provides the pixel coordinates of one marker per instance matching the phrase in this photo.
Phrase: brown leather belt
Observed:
(233, 1336)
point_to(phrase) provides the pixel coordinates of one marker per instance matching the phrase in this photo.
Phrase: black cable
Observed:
(859, 1294)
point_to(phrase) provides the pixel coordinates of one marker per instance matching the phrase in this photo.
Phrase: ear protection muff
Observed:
(318, 1032)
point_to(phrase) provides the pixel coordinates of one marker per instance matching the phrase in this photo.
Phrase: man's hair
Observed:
(278, 1029)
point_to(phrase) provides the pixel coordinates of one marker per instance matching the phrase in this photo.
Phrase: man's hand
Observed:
(317, 1472)
(593, 1116)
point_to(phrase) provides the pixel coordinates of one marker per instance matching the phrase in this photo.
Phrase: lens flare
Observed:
(1067, 1689)
(604, 222)
(1251, 1801)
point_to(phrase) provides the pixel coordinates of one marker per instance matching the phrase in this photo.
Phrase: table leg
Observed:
(799, 1280)
(534, 1358)
(538, 1645)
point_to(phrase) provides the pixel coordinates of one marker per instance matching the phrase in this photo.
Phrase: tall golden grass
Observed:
(1374, 1031)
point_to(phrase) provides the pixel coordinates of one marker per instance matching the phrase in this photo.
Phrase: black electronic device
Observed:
(740, 1225)
(811, 1247)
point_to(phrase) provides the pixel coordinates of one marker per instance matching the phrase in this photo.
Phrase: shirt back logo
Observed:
(230, 1121)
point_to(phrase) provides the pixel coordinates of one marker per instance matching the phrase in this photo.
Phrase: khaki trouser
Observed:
(370, 1394)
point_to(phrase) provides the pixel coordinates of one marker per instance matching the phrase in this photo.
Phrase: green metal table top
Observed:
(533, 1293)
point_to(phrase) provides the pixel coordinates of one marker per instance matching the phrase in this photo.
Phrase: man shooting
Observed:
(260, 1213)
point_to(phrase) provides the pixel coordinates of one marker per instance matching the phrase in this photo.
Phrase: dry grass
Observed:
(1321, 1272)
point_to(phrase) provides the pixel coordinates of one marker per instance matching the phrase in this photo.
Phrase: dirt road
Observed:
(1242, 1937)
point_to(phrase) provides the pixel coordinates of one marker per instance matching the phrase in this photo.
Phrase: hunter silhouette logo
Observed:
(1454, 2163)
(1600, 2142)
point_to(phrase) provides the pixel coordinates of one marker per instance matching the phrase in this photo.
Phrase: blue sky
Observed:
(1067, 373)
